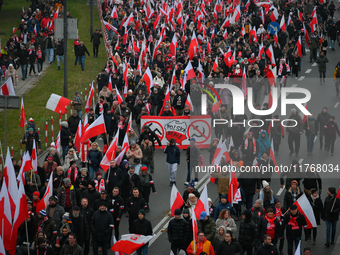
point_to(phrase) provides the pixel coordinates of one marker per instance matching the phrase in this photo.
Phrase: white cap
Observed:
(265, 183)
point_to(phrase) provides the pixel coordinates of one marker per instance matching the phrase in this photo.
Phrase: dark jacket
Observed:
(57, 215)
(88, 213)
(331, 129)
(64, 136)
(322, 119)
(82, 50)
(116, 178)
(267, 250)
(99, 201)
(317, 206)
(321, 61)
(262, 228)
(116, 206)
(288, 199)
(208, 227)
(29, 143)
(95, 156)
(62, 196)
(81, 228)
(142, 227)
(230, 249)
(178, 230)
(95, 38)
(247, 233)
(286, 225)
(68, 249)
(133, 205)
(101, 226)
(92, 196)
(332, 212)
(173, 154)
(48, 228)
(73, 122)
(152, 137)
(249, 183)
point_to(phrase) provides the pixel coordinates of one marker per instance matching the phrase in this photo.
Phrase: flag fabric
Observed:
(271, 76)
(14, 30)
(299, 46)
(194, 226)
(193, 46)
(220, 151)
(109, 86)
(5, 215)
(34, 157)
(26, 165)
(57, 143)
(270, 54)
(282, 23)
(298, 249)
(202, 204)
(110, 153)
(276, 38)
(78, 135)
(119, 158)
(130, 243)
(48, 193)
(244, 84)
(147, 77)
(233, 187)
(305, 208)
(7, 89)
(2, 247)
(110, 27)
(23, 120)
(188, 74)
(173, 45)
(176, 200)
(119, 97)
(89, 99)
(96, 128)
(302, 115)
(189, 103)
(114, 240)
(215, 66)
(128, 128)
(11, 181)
(57, 103)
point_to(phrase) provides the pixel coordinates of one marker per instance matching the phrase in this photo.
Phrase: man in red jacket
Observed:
(201, 245)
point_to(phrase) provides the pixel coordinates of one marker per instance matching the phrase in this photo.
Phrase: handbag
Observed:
(136, 161)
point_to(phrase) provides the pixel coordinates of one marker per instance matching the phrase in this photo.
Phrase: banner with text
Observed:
(181, 128)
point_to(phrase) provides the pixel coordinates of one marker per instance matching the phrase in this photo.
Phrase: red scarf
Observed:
(278, 214)
(75, 173)
(39, 54)
(254, 145)
(292, 222)
(270, 227)
(100, 185)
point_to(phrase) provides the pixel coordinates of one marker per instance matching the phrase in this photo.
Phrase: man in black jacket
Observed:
(133, 205)
(267, 248)
(114, 177)
(103, 198)
(23, 60)
(116, 208)
(95, 40)
(73, 122)
(81, 53)
(178, 232)
(142, 226)
(88, 213)
(322, 119)
(80, 226)
(101, 226)
(332, 208)
(91, 194)
(60, 53)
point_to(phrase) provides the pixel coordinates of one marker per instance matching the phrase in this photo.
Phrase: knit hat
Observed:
(66, 216)
(133, 142)
(92, 183)
(178, 212)
(276, 201)
(102, 204)
(36, 193)
(224, 196)
(98, 173)
(191, 184)
(332, 190)
(144, 168)
(84, 169)
(306, 249)
(43, 213)
(142, 212)
(40, 240)
(247, 214)
(294, 181)
(265, 183)
(293, 110)
(293, 207)
(259, 201)
(53, 198)
(185, 210)
(76, 208)
(313, 191)
(67, 180)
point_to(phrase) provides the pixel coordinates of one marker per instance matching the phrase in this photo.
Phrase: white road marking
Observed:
(307, 50)
(293, 86)
(336, 105)
(315, 138)
(314, 64)
(301, 78)
(300, 161)
(308, 70)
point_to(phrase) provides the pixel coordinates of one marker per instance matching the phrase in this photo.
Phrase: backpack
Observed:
(338, 70)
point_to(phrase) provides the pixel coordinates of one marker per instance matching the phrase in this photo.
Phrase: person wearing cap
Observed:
(179, 101)
(247, 234)
(266, 195)
(173, 158)
(322, 119)
(200, 245)
(42, 248)
(267, 247)
(54, 210)
(148, 133)
(318, 210)
(29, 138)
(66, 222)
(35, 198)
(67, 195)
(294, 132)
(329, 133)
(331, 215)
(95, 40)
(70, 166)
(263, 144)
(142, 226)
(101, 227)
(178, 232)
(207, 225)
(47, 225)
(54, 154)
(292, 194)
(50, 166)
(293, 222)
(58, 177)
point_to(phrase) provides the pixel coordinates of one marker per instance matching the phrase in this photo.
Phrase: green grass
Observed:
(52, 81)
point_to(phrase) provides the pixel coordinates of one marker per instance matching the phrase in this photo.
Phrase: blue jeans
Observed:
(97, 244)
(79, 113)
(93, 171)
(82, 61)
(60, 58)
(40, 66)
(329, 225)
(310, 142)
(331, 44)
(64, 151)
(50, 54)
(290, 242)
(77, 60)
(24, 71)
(143, 250)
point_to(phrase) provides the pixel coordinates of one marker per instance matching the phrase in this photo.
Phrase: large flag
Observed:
(194, 226)
(114, 240)
(57, 143)
(23, 120)
(215, 66)
(96, 128)
(306, 209)
(303, 117)
(233, 186)
(26, 165)
(299, 46)
(48, 193)
(119, 158)
(189, 103)
(57, 103)
(2, 247)
(110, 27)
(147, 77)
(130, 243)
(176, 200)
(34, 157)
(202, 203)
(7, 89)
(283, 23)
(78, 135)
(173, 45)
(110, 153)
(220, 151)
(89, 99)
(11, 181)
(5, 215)
(193, 46)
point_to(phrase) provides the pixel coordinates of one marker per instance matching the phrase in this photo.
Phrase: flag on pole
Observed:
(233, 186)
(57, 103)
(89, 99)
(305, 208)
(130, 243)
(5, 216)
(110, 153)
(95, 129)
(7, 89)
(23, 120)
(44, 202)
(176, 200)
(202, 203)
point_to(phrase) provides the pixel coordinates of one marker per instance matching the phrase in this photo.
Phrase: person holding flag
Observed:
(199, 245)
(177, 232)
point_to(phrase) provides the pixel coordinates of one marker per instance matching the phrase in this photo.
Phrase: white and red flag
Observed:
(233, 186)
(270, 54)
(176, 200)
(119, 97)
(147, 77)
(34, 157)
(305, 208)
(57, 103)
(202, 204)
(95, 129)
(302, 115)
(110, 153)
(114, 13)
(14, 30)
(57, 143)
(5, 216)
(78, 135)
(89, 99)
(173, 45)
(23, 120)
(193, 47)
(215, 66)
(299, 46)
(7, 89)
(189, 103)
(129, 243)
(283, 23)
(2, 247)
(44, 202)
(110, 27)
(11, 181)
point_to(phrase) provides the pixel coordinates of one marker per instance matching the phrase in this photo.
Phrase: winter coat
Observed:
(322, 119)
(148, 150)
(92, 196)
(133, 205)
(288, 198)
(74, 250)
(231, 249)
(95, 38)
(208, 227)
(298, 128)
(49, 227)
(82, 50)
(220, 207)
(173, 154)
(152, 137)
(178, 230)
(313, 43)
(77, 105)
(116, 206)
(95, 156)
(57, 215)
(229, 224)
(62, 196)
(81, 228)
(101, 225)
(133, 154)
(331, 129)
(331, 208)
(64, 136)
(29, 143)
(263, 144)
(116, 178)
(73, 122)
(142, 227)
(262, 228)
(317, 206)
(247, 234)
(267, 250)
(293, 233)
(321, 61)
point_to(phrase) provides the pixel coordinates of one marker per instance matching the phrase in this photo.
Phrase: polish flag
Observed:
(119, 158)
(243, 31)
(10, 180)
(302, 115)
(261, 50)
(200, 72)
(236, 16)
(212, 35)
(5, 215)
(128, 128)
(194, 226)
(35, 30)
(189, 73)
(147, 77)
(270, 54)
(156, 23)
(2, 247)
(57, 103)
(26, 165)
(276, 38)
(125, 145)
(300, 15)
(215, 66)
(130, 243)
(298, 249)
(110, 27)
(188, 102)
(114, 14)
(110, 153)
(275, 15)
(282, 128)
(78, 135)
(262, 16)
(180, 19)
(119, 97)
(305, 208)
(244, 85)
(109, 86)
(253, 33)
(299, 46)
(283, 23)
(226, 22)
(128, 20)
(23, 120)
(225, 34)
(44, 202)
(114, 240)
(34, 157)
(265, 5)
(271, 76)
(96, 128)
(221, 150)
(233, 187)
(208, 46)
(176, 200)
(173, 79)
(89, 99)
(7, 89)
(57, 143)
(173, 45)
(14, 30)
(289, 20)
(193, 46)
(202, 203)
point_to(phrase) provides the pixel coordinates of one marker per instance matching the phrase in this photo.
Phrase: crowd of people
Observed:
(231, 41)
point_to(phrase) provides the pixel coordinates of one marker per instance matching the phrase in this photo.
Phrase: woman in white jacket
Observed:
(225, 220)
